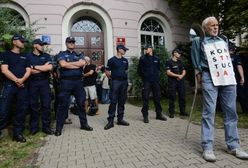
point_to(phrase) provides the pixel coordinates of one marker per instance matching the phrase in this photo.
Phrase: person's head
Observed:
(121, 49)
(18, 41)
(232, 48)
(70, 43)
(149, 49)
(87, 59)
(210, 26)
(176, 53)
(38, 45)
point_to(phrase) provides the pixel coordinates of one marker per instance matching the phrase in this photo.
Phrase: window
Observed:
(86, 25)
(151, 25)
(152, 33)
(16, 18)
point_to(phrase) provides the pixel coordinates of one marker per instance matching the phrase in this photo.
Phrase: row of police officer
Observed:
(26, 79)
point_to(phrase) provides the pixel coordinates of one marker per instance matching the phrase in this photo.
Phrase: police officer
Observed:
(239, 75)
(71, 71)
(1, 83)
(16, 71)
(1, 75)
(41, 65)
(116, 69)
(148, 69)
(176, 72)
(55, 81)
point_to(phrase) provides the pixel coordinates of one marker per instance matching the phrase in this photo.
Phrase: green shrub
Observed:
(164, 56)
(14, 24)
(135, 79)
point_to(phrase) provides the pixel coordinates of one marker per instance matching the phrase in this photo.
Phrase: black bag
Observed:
(93, 108)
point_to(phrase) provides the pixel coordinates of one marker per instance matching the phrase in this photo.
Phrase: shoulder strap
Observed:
(223, 37)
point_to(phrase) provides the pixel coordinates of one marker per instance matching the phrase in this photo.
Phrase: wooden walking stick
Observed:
(192, 108)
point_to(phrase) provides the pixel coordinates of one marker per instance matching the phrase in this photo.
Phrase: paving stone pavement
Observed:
(158, 144)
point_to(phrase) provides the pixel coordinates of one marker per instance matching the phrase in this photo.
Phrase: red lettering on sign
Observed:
(225, 73)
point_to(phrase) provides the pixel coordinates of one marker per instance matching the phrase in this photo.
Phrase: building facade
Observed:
(99, 25)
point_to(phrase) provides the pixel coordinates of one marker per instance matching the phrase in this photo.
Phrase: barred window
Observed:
(151, 25)
(86, 25)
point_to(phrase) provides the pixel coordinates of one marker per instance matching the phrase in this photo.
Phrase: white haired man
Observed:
(212, 62)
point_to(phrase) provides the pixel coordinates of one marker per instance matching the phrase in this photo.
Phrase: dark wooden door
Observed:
(91, 44)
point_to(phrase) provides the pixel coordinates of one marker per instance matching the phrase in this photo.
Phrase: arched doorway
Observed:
(89, 39)
(94, 14)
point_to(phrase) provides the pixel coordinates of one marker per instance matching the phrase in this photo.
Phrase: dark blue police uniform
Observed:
(39, 88)
(17, 64)
(241, 89)
(1, 75)
(55, 76)
(118, 89)
(149, 70)
(70, 84)
(1, 80)
(175, 85)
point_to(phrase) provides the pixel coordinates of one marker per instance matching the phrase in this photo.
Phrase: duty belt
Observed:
(119, 79)
(38, 78)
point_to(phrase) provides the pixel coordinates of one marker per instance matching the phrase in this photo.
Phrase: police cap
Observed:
(18, 37)
(120, 46)
(38, 41)
(70, 39)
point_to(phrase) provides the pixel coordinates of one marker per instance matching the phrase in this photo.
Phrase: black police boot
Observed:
(161, 117)
(19, 138)
(122, 122)
(146, 120)
(86, 127)
(109, 125)
(58, 133)
(48, 131)
(171, 114)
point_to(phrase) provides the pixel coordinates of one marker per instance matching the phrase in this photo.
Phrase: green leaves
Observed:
(134, 77)
(232, 14)
(13, 23)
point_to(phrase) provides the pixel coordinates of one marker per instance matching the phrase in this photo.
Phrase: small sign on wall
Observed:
(121, 40)
(46, 38)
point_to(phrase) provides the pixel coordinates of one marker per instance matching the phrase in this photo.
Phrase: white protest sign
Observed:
(220, 63)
